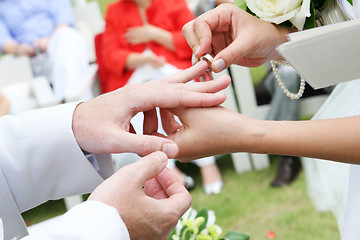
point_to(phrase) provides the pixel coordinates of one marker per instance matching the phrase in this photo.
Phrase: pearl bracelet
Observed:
(281, 83)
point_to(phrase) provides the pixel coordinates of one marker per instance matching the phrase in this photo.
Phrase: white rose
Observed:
(279, 11)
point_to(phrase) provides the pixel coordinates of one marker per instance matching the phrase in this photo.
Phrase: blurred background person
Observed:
(201, 6)
(143, 41)
(43, 30)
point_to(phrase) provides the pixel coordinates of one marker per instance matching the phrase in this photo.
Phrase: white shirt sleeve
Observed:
(41, 159)
(90, 220)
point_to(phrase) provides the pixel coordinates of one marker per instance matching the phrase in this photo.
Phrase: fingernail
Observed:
(219, 65)
(201, 79)
(197, 50)
(170, 149)
(160, 156)
(193, 59)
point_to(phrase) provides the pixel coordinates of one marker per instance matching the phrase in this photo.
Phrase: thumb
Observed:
(146, 144)
(229, 55)
(149, 167)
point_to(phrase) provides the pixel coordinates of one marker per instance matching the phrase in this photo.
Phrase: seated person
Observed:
(43, 30)
(146, 43)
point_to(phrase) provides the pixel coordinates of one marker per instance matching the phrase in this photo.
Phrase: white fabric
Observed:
(328, 182)
(41, 160)
(65, 63)
(90, 220)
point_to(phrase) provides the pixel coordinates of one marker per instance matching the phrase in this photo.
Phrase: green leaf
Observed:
(184, 229)
(351, 2)
(203, 213)
(310, 21)
(319, 3)
(172, 233)
(187, 235)
(241, 4)
(286, 24)
(232, 235)
(249, 11)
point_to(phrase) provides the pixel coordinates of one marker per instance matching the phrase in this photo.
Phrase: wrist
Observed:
(251, 136)
(281, 38)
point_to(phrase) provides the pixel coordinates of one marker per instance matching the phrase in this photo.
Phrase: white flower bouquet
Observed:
(287, 13)
(201, 225)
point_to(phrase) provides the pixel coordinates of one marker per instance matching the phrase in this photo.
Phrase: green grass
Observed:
(249, 205)
(246, 204)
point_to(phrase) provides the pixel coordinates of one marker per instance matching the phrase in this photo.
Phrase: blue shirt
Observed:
(24, 21)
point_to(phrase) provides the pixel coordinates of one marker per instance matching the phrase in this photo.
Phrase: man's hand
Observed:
(152, 212)
(41, 44)
(102, 125)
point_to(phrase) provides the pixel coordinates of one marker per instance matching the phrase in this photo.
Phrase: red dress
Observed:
(170, 15)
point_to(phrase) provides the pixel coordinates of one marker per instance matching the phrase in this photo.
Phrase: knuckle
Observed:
(147, 145)
(130, 170)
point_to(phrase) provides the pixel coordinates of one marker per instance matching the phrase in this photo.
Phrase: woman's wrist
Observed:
(282, 37)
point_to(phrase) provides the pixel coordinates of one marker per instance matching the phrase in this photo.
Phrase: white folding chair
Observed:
(241, 161)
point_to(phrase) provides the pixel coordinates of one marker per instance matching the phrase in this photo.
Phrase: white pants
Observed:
(65, 62)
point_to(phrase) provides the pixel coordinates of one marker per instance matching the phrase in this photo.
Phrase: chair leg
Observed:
(72, 201)
(260, 161)
(241, 162)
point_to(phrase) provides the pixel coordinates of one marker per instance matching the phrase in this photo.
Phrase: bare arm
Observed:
(150, 33)
(218, 130)
(13, 47)
(331, 139)
(135, 60)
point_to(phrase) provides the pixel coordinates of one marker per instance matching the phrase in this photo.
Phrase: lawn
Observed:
(246, 204)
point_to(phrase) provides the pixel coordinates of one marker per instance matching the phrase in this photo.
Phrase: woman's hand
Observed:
(233, 36)
(206, 131)
(140, 35)
(150, 33)
(154, 60)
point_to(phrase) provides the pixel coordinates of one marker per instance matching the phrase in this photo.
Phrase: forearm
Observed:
(135, 60)
(61, 25)
(49, 153)
(10, 47)
(331, 139)
(163, 38)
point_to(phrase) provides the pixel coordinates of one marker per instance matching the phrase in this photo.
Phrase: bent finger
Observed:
(148, 167)
(179, 197)
(169, 124)
(153, 189)
(188, 74)
(150, 122)
(145, 144)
